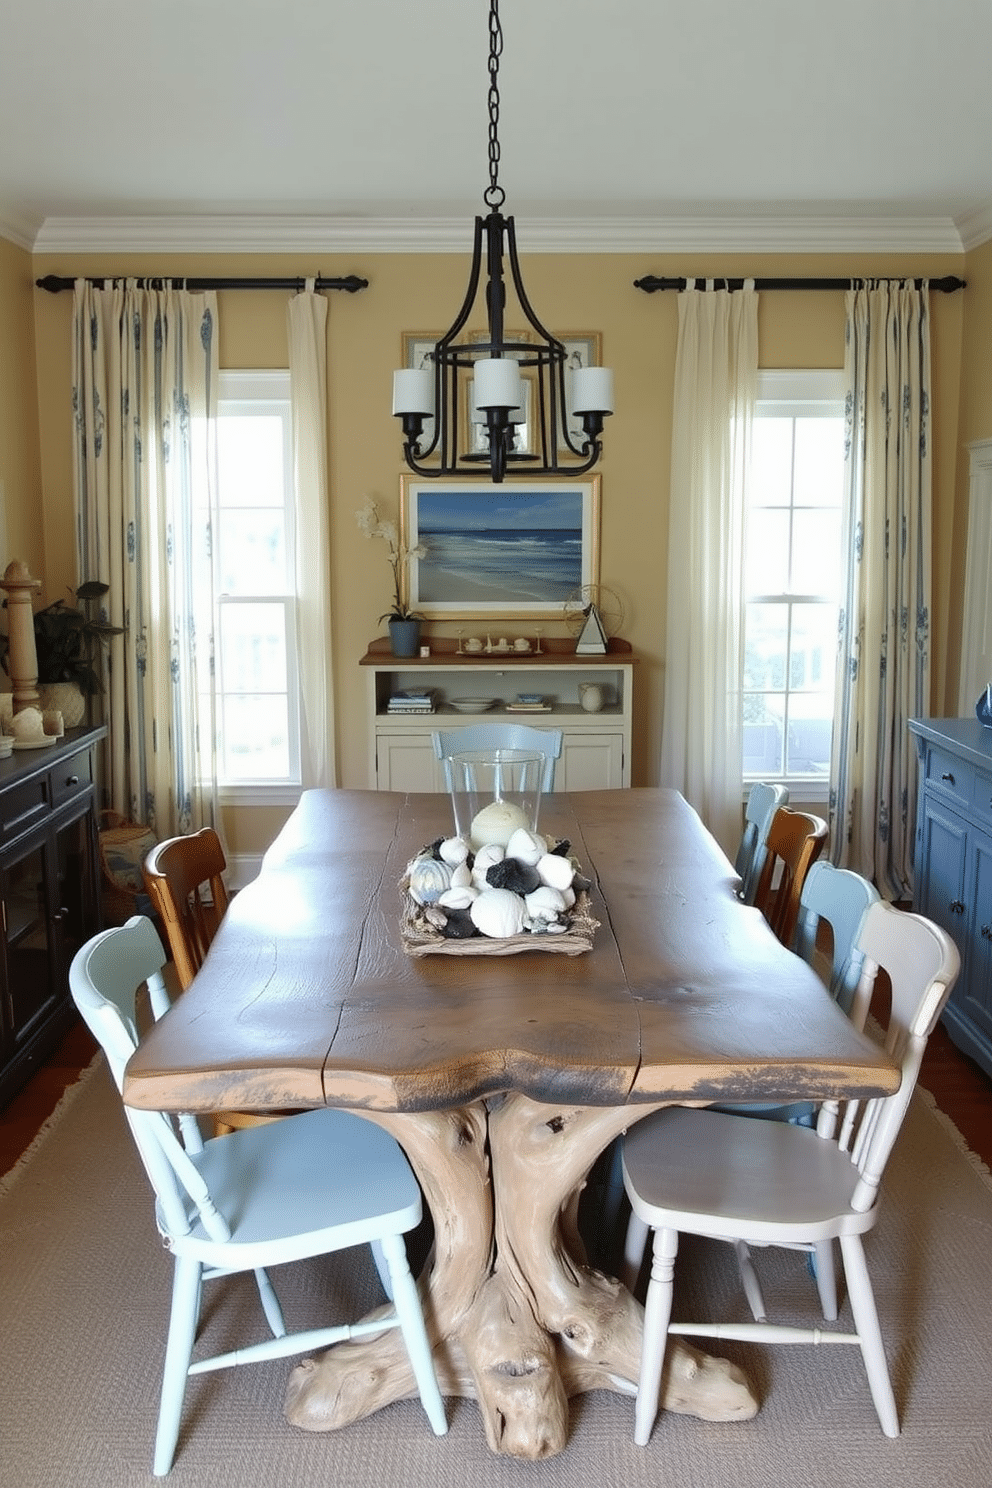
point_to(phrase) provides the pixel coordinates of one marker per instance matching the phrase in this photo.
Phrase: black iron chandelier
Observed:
(464, 410)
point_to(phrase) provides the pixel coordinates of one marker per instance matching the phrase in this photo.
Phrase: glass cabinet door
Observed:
(28, 983)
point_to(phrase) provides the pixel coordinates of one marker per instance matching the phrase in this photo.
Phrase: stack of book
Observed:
(415, 700)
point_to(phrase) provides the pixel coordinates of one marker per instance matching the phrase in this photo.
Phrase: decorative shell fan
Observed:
(597, 599)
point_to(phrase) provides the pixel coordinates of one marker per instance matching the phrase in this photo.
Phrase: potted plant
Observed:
(404, 624)
(66, 639)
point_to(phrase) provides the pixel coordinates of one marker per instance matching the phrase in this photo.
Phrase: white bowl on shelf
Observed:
(472, 705)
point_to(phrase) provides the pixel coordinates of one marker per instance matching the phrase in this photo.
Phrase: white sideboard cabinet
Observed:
(953, 865)
(595, 746)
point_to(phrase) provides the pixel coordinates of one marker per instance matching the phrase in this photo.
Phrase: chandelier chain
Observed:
(494, 195)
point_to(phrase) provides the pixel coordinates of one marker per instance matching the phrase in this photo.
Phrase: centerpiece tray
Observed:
(421, 938)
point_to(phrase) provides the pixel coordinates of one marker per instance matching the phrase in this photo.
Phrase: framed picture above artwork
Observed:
(518, 549)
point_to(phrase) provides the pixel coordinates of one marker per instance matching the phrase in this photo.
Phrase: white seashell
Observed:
(545, 903)
(458, 898)
(569, 897)
(428, 879)
(498, 913)
(461, 876)
(556, 927)
(484, 860)
(556, 871)
(454, 850)
(526, 846)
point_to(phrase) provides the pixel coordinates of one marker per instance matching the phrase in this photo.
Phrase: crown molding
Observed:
(18, 230)
(976, 227)
(350, 235)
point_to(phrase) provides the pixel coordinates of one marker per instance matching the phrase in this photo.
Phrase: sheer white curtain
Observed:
(716, 376)
(307, 320)
(144, 396)
(884, 643)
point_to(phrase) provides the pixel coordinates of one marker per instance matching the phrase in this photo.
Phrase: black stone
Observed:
(512, 874)
(460, 925)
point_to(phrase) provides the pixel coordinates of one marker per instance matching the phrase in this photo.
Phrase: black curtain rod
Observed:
(54, 283)
(650, 284)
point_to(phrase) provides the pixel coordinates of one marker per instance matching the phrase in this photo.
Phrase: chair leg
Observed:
(633, 1251)
(826, 1279)
(382, 1266)
(186, 1285)
(406, 1300)
(866, 1322)
(750, 1282)
(657, 1316)
(270, 1304)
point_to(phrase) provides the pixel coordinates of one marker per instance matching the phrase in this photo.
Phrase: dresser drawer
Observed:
(950, 775)
(71, 777)
(981, 799)
(24, 805)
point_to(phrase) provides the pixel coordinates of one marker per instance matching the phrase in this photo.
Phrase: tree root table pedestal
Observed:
(504, 1078)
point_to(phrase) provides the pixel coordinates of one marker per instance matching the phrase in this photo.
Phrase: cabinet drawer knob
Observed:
(948, 777)
(956, 907)
(72, 780)
(987, 932)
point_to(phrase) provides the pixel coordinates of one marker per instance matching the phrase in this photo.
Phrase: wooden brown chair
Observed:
(184, 880)
(795, 841)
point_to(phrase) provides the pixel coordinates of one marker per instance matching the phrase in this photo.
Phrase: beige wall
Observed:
(410, 292)
(20, 476)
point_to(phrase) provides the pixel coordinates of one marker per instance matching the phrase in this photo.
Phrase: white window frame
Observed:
(261, 391)
(797, 393)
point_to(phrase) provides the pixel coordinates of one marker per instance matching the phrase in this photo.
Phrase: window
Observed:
(257, 703)
(792, 575)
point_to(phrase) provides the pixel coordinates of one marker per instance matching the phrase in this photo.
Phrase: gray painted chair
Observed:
(500, 736)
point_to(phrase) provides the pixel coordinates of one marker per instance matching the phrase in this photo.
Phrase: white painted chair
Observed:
(473, 736)
(304, 1186)
(770, 1183)
(762, 803)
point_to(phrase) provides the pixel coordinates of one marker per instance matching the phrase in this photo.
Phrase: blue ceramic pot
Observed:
(404, 637)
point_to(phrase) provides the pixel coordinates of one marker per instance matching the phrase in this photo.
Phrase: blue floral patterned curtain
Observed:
(884, 640)
(144, 394)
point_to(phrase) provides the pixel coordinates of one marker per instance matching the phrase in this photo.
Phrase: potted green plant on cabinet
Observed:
(67, 639)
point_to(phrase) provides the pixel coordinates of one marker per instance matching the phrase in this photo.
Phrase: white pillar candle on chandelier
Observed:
(497, 383)
(413, 390)
(592, 390)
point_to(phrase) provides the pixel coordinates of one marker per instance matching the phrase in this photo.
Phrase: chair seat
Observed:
(759, 1177)
(294, 1188)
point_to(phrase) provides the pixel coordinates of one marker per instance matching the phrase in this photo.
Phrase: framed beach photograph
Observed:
(515, 550)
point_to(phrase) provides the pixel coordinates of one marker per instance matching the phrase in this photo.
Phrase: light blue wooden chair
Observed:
(762, 803)
(307, 1185)
(476, 736)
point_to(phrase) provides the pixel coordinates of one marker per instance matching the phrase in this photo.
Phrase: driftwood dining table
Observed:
(503, 1077)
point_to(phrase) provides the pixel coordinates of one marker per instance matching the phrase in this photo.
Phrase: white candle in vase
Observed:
(497, 823)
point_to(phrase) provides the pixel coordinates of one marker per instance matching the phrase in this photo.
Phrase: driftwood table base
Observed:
(519, 1321)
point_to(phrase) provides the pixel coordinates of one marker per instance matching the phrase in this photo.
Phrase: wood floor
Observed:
(960, 1088)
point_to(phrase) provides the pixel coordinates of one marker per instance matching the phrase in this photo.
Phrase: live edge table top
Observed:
(308, 998)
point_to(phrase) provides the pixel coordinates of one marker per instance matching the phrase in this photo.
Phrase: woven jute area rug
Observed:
(84, 1289)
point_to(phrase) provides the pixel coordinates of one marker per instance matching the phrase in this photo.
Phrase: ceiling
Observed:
(237, 122)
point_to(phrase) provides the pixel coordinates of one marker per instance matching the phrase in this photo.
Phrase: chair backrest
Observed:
(762, 803)
(105, 977)
(184, 882)
(543, 741)
(922, 963)
(795, 841)
(842, 899)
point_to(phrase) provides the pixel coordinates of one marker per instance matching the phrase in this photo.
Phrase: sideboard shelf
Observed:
(595, 746)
